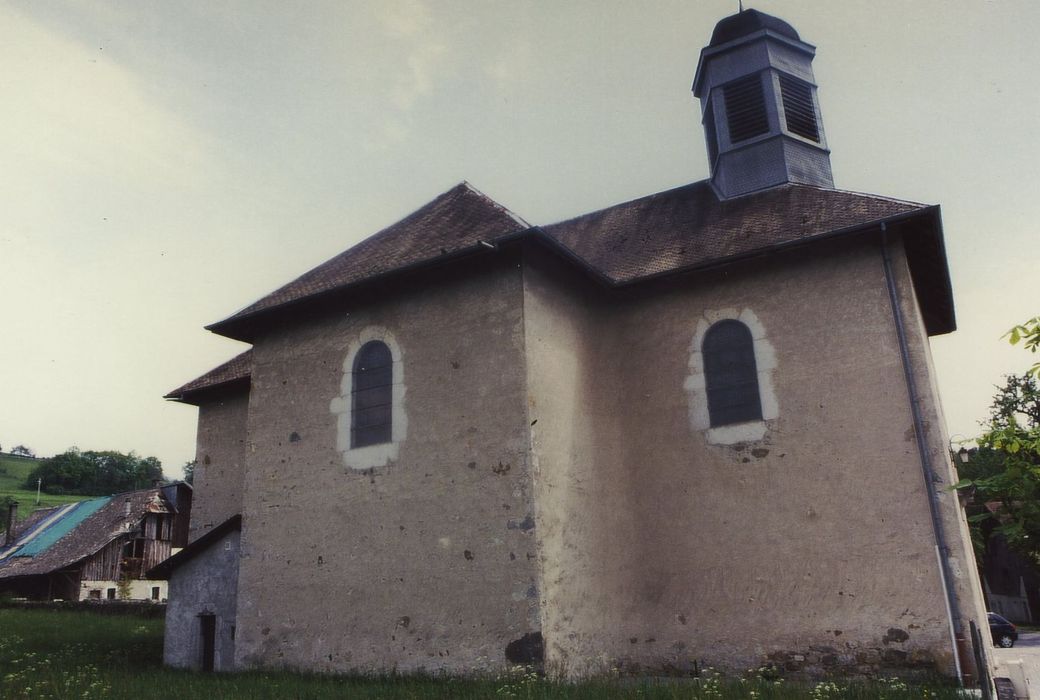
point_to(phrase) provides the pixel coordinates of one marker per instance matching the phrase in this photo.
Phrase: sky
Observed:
(167, 163)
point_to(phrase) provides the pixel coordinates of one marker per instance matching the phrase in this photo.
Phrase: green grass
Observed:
(13, 472)
(61, 654)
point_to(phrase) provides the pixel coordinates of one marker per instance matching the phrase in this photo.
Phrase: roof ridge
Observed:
(650, 196)
(365, 242)
(881, 197)
(468, 214)
(505, 210)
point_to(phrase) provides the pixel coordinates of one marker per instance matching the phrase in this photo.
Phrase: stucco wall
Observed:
(426, 561)
(556, 476)
(220, 461)
(206, 583)
(810, 547)
(970, 605)
(574, 400)
(139, 589)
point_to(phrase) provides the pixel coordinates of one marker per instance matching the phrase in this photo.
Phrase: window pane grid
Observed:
(372, 396)
(379, 415)
(731, 375)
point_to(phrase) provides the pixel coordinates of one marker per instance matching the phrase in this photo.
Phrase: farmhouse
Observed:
(98, 549)
(698, 427)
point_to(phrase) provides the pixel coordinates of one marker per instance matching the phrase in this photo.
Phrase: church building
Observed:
(696, 428)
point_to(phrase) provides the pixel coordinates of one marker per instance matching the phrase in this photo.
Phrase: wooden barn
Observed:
(97, 549)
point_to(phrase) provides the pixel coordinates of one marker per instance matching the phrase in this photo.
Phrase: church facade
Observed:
(697, 428)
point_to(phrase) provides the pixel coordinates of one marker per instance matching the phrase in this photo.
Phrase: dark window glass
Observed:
(372, 398)
(730, 374)
(745, 108)
(799, 111)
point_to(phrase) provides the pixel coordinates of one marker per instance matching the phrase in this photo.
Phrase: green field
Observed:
(13, 472)
(65, 654)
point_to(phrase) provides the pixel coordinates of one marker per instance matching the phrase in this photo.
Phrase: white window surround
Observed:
(342, 406)
(765, 361)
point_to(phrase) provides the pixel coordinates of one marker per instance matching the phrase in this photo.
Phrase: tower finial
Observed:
(740, 5)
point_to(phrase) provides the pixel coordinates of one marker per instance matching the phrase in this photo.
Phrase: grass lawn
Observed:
(84, 655)
(13, 472)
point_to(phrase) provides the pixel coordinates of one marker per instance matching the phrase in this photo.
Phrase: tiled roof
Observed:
(682, 229)
(457, 220)
(679, 229)
(691, 227)
(105, 524)
(237, 369)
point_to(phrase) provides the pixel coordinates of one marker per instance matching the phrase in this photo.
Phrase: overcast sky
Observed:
(166, 163)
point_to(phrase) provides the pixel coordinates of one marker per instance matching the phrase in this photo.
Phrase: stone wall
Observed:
(964, 574)
(427, 560)
(220, 461)
(809, 547)
(205, 584)
(552, 477)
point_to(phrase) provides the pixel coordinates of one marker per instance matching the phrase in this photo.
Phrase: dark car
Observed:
(1004, 633)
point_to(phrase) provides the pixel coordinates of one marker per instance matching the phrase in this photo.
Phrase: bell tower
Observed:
(759, 107)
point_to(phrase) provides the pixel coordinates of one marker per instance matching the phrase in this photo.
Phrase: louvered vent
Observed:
(745, 108)
(798, 106)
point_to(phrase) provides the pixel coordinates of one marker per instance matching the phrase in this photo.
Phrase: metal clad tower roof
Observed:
(749, 22)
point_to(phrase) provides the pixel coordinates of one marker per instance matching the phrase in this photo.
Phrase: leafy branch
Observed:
(1028, 334)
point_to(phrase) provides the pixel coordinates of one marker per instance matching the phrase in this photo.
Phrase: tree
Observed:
(5, 503)
(1017, 402)
(95, 473)
(1006, 468)
(1028, 334)
(22, 451)
(189, 471)
(1016, 486)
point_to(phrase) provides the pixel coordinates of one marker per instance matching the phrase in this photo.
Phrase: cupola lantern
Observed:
(759, 107)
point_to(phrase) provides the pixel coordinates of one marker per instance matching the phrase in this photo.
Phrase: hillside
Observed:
(13, 472)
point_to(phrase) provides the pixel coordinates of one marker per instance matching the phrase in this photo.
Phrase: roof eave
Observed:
(936, 324)
(242, 327)
(712, 51)
(195, 397)
(939, 322)
(938, 285)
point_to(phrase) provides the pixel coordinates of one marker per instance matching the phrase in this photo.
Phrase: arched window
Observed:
(372, 395)
(730, 374)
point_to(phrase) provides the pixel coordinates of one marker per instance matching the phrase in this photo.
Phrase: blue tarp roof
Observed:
(58, 529)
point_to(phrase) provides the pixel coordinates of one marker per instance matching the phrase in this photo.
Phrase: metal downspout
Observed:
(942, 551)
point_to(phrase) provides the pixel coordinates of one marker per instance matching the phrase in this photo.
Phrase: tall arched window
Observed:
(372, 395)
(730, 374)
